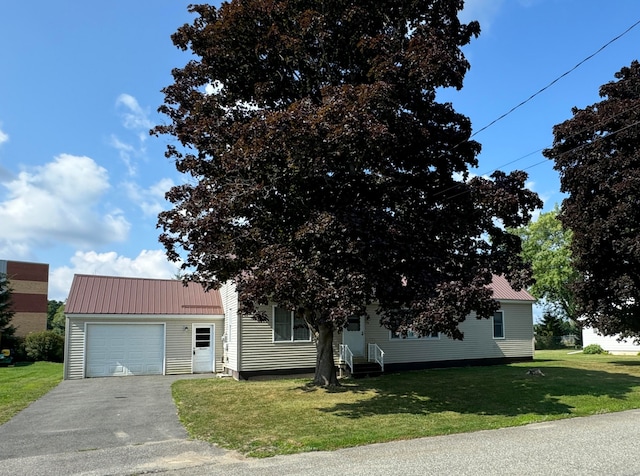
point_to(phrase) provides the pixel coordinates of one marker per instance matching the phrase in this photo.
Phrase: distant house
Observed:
(30, 284)
(609, 343)
(129, 326)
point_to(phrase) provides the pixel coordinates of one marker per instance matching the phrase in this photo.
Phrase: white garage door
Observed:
(124, 349)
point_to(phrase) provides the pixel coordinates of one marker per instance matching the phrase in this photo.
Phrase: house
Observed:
(30, 285)
(609, 343)
(130, 326)
(284, 344)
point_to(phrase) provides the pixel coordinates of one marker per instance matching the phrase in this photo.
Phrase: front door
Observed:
(203, 348)
(353, 336)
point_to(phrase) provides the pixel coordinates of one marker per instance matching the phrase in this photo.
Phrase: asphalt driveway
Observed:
(119, 425)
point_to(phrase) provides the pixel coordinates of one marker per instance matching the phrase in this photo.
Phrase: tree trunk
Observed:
(325, 366)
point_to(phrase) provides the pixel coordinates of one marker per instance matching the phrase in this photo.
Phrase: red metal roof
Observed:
(503, 290)
(118, 295)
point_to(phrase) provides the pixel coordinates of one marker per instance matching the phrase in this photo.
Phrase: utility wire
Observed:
(573, 149)
(556, 80)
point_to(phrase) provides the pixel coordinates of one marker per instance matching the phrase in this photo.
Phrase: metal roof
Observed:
(502, 290)
(91, 294)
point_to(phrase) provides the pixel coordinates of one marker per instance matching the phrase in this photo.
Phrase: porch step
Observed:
(366, 369)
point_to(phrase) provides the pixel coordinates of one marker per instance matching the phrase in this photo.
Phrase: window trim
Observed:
(292, 321)
(411, 336)
(493, 326)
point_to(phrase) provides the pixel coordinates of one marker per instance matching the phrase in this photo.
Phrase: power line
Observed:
(556, 80)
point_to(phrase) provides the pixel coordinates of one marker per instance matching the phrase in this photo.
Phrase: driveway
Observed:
(101, 426)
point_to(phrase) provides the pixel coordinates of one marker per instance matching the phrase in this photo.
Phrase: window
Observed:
(412, 335)
(287, 327)
(498, 325)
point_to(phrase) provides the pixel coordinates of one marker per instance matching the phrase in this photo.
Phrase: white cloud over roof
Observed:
(148, 264)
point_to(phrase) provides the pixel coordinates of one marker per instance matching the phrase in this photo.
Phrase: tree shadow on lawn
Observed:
(505, 391)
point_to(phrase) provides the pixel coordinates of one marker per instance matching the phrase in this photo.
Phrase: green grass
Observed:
(266, 418)
(23, 384)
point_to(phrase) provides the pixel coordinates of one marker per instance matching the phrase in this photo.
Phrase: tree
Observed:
(325, 174)
(52, 308)
(597, 155)
(58, 323)
(6, 309)
(546, 247)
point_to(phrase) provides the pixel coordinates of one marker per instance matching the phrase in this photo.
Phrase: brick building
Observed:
(30, 284)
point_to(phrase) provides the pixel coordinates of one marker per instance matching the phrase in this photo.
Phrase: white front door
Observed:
(353, 336)
(203, 348)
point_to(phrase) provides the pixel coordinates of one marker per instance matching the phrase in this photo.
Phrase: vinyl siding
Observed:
(260, 353)
(478, 340)
(178, 341)
(230, 305)
(74, 351)
(609, 343)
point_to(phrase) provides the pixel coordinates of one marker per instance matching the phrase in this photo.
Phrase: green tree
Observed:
(596, 154)
(59, 320)
(52, 308)
(546, 246)
(6, 310)
(326, 175)
(550, 326)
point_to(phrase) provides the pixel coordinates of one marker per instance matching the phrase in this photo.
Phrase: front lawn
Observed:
(266, 418)
(25, 383)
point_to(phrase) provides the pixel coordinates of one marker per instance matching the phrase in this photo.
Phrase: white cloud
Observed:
(151, 200)
(126, 151)
(148, 264)
(4, 137)
(134, 117)
(59, 203)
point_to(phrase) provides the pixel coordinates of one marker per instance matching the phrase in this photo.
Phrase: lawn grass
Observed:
(23, 384)
(266, 418)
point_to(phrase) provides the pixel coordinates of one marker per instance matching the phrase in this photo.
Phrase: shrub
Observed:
(44, 346)
(594, 349)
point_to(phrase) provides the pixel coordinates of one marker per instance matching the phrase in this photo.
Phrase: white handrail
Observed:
(376, 354)
(346, 356)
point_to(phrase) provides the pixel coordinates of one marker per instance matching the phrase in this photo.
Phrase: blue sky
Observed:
(81, 181)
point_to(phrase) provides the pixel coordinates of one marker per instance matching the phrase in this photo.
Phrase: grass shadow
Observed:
(500, 390)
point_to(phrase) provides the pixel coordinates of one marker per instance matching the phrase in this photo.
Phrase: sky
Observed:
(82, 181)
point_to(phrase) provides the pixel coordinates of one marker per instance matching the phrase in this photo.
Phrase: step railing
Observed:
(376, 354)
(346, 356)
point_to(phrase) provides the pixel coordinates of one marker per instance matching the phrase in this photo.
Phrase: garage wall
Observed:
(178, 341)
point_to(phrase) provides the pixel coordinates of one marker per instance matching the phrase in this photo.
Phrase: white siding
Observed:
(478, 340)
(230, 305)
(259, 352)
(608, 343)
(178, 343)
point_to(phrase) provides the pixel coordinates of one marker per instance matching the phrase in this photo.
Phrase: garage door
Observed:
(124, 349)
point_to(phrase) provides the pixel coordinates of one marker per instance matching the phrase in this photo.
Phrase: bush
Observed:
(45, 346)
(594, 349)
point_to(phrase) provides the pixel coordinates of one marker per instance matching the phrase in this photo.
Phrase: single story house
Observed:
(609, 343)
(130, 326)
(284, 344)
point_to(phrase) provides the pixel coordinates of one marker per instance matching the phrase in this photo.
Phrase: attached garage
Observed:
(117, 350)
(118, 327)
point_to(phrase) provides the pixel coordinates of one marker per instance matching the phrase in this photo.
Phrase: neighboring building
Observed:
(30, 284)
(609, 343)
(131, 326)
